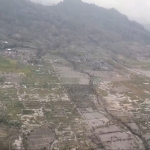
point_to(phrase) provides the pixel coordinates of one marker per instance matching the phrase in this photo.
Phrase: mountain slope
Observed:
(147, 26)
(71, 22)
(105, 19)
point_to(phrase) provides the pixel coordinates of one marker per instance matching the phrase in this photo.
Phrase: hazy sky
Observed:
(138, 10)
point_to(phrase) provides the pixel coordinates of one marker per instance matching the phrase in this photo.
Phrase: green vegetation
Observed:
(25, 70)
(11, 66)
(8, 65)
(27, 112)
(102, 92)
(2, 80)
(18, 104)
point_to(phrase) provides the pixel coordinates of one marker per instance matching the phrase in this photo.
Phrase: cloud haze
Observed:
(138, 10)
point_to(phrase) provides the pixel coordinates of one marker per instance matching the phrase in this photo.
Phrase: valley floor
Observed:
(49, 105)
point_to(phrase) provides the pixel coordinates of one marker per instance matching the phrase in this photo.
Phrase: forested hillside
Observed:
(71, 22)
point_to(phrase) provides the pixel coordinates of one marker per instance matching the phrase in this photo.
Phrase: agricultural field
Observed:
(53, 106)
(34, 102)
